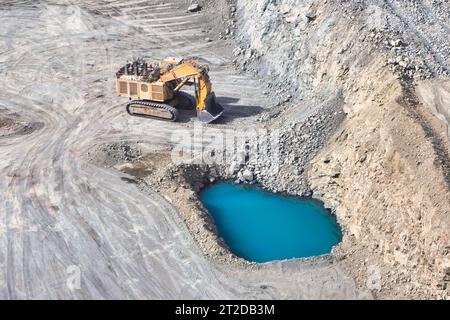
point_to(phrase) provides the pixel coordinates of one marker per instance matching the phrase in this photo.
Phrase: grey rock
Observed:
(234, 167)
(311, 15)
(247, 175)
(194, 7)
(237, 51)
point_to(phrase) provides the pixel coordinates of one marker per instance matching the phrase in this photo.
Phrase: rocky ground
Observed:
(11, 125)
(388, 71)
(354, 94)
(76, 222)
(352, 116)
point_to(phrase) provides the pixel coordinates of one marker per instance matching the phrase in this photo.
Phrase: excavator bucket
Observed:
(212, 110)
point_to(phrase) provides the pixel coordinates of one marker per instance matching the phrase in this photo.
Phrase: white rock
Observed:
(247, 175)
(248, 53)
(403, 64)
(234, 167)
(194, 7)
(237, 51)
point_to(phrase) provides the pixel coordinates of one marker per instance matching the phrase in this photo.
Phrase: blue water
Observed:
(260, 226)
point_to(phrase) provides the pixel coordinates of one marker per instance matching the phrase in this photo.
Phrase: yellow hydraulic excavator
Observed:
(154, 89)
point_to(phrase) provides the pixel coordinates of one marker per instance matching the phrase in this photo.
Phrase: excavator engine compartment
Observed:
(154, 88)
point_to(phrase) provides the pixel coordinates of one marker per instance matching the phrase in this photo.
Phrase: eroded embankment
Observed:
(391, 196)
(180, 184)
(385, 171)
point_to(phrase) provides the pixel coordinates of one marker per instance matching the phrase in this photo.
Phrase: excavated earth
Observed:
(357, 91)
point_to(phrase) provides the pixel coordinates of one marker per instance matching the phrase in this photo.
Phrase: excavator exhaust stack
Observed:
(212, 111)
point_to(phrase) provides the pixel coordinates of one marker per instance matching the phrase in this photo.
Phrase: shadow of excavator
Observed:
(232, 110)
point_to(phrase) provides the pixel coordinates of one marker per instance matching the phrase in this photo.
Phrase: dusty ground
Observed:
(63, 214)
(357, 90)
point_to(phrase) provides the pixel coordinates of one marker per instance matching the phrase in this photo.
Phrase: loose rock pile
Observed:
(121, 151)
(284, 169)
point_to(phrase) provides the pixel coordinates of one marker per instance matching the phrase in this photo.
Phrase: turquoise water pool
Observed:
(260, 226)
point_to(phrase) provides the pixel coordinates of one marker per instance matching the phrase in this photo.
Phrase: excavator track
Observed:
(152, 110)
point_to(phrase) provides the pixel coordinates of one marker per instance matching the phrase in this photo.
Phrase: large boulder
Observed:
(247, 175)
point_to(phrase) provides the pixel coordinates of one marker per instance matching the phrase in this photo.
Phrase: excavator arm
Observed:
(207, 107)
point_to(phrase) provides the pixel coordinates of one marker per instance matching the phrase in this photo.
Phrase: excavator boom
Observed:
(208, 109)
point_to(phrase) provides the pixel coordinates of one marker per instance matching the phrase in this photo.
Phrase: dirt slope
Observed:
(386, 170)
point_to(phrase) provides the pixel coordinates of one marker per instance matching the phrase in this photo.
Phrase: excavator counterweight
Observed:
(154, 89)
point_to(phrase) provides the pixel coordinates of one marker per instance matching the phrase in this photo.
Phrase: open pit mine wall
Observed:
(380, 171)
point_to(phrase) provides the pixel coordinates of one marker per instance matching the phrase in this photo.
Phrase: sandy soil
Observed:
(436, 96)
